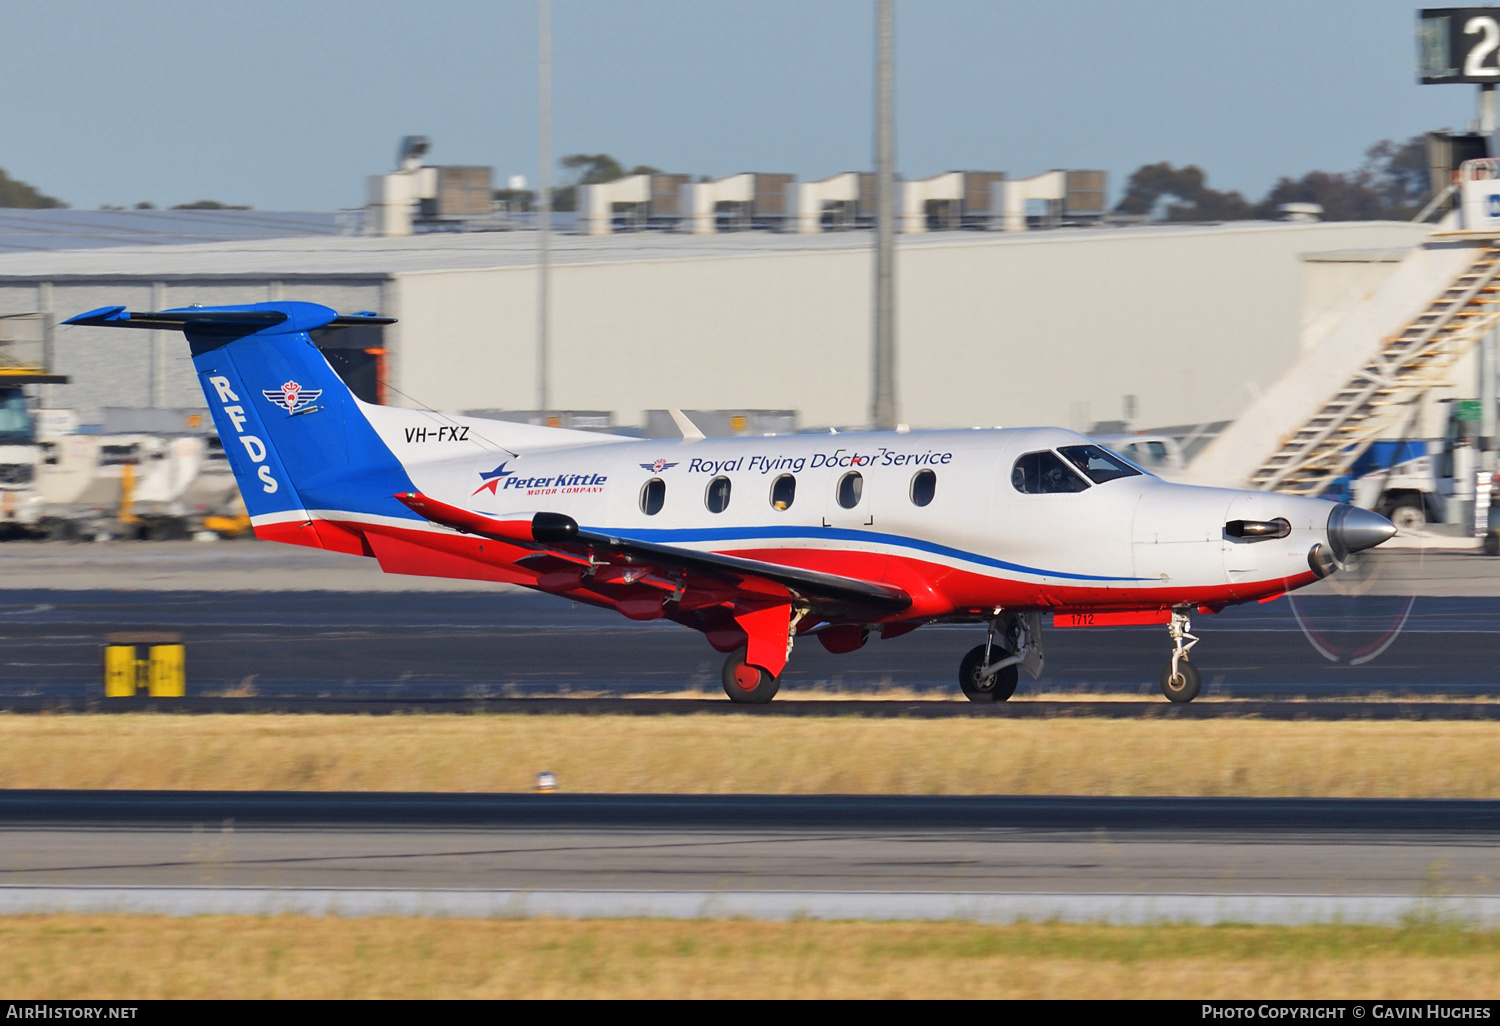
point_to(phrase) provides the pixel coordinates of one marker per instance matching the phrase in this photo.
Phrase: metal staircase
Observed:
(1376, 396)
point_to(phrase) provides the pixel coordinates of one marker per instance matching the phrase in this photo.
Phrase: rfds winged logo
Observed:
(658, 466)
(292, 397)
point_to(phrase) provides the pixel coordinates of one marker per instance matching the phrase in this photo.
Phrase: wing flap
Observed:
(561, 534)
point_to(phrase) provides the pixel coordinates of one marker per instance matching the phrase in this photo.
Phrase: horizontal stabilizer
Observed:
(247, 319)
(554, 530)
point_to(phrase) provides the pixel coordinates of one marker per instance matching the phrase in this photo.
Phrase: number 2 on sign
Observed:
(1474, 64)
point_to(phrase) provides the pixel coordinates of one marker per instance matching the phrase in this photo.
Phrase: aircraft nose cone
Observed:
(1352, 529)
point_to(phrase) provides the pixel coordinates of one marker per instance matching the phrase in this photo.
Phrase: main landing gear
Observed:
(1180, 680)
(996, 686)
(746, 683)
(990, 671)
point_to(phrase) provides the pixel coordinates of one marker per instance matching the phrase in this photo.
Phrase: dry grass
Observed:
(719, 754)
(143, 957)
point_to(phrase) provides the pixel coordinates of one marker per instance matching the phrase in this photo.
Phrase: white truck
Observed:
(20, 459)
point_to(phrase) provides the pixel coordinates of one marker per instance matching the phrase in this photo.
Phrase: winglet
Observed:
(690, 431)
(103, 315)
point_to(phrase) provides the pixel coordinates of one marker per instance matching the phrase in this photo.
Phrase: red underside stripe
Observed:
(936, 590)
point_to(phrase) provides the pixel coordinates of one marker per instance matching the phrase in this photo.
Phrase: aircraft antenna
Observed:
(437, 413)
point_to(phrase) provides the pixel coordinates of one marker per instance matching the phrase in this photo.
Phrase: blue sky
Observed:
(288, 105)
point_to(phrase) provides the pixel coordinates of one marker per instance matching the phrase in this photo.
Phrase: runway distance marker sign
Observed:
(1458, 44)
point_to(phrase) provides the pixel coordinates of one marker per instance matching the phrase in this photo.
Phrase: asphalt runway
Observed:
(295, 627)
(446, 646)
(985, 858)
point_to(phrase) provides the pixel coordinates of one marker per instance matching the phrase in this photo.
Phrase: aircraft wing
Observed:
(554, 532)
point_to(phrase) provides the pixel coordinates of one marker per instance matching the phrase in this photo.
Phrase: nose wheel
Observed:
(1180, 680)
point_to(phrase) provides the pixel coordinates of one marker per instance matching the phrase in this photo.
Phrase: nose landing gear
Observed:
(1180, 680)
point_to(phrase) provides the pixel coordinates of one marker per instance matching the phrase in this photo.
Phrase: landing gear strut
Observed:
(990, 671)
(1180, 680)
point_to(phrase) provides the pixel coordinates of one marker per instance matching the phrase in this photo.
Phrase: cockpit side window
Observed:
(1044, 473)
(1100, 465)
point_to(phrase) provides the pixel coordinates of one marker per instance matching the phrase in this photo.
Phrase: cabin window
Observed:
(851, 487)
(717, 496)
(1100, 465)
(653, 495)
(783, 491)
(1043, 473)
(923, 487)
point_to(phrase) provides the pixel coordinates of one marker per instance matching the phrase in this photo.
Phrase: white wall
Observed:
(1012, 330)
(1333, 284)
(1192, 324)
(777, 331)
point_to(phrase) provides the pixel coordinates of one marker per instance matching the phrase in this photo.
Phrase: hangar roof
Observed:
(446, 251)
(32, 230)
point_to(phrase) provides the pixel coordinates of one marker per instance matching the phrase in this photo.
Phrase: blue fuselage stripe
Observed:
(716, 534)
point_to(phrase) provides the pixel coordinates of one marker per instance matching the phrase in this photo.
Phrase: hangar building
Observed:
(1157, 325)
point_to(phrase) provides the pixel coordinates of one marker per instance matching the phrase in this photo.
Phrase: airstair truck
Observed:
(1363, 381)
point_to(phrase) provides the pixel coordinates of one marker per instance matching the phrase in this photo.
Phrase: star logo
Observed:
(658, 466)
(291, 396)
(490, 479)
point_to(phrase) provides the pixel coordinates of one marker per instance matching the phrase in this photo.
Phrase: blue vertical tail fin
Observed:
(295, 436)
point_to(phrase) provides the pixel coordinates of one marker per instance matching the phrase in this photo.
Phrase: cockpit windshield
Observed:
(1100, 465)
(1042, 473)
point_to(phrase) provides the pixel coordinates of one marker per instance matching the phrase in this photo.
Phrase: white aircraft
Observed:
(755, 542)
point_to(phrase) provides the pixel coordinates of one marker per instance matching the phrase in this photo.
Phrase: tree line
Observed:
(1393, 184)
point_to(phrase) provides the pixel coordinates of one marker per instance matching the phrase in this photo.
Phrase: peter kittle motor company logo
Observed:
(658, 466)
(291, 396)
(493, 481)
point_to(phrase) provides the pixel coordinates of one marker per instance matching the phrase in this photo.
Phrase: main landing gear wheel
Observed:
(1182, 686)
(997, 687)
(746, 683)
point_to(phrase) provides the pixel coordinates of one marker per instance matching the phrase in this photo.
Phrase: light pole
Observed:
(883, 402)
(1484, 496)
(544, 200)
